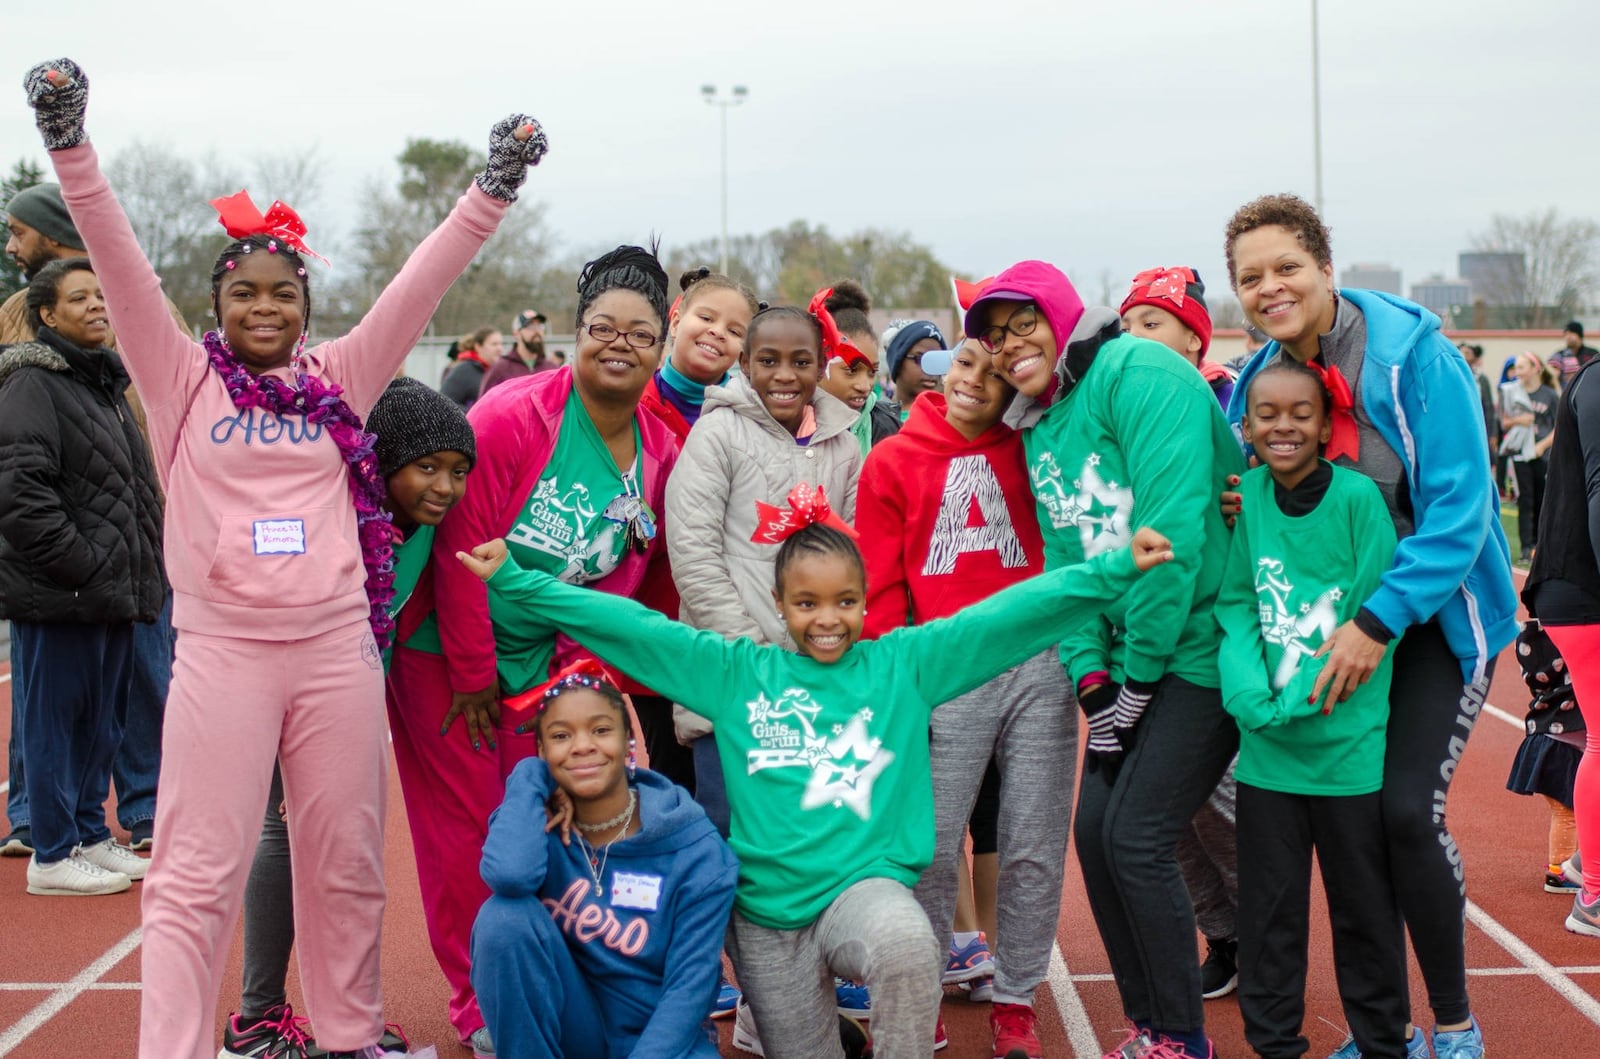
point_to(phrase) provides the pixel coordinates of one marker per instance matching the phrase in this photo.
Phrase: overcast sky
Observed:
(1095, 135)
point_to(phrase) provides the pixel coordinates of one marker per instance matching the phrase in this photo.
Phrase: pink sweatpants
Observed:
(234, 705)
(1580, 649)
(449, 789)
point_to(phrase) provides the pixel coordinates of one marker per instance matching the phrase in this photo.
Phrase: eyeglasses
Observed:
(607, 334)
(1021, 323)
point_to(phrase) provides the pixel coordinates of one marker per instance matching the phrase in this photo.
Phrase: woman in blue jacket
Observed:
(1407, 415)
(604, 941)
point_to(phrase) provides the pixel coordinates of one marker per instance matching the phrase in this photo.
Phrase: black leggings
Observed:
(1430, 717)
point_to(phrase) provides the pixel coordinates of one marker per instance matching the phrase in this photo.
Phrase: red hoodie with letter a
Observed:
(944, 521)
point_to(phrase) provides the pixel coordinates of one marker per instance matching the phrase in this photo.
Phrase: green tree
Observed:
(24, 174)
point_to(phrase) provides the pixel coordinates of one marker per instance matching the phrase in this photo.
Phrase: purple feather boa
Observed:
(323, 403)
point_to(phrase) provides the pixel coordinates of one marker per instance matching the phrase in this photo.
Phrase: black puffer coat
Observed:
(80, 518)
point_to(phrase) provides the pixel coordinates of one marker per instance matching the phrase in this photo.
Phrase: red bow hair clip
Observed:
(834, 344)
(808, 506)
(968, 293)
(1346, 436)
(584, 673)
(240, 218)
(1169, 283)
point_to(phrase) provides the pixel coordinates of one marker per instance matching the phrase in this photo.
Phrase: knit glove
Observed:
(1132, 700)
(1099, 705)
(509, 157)
(58, 106)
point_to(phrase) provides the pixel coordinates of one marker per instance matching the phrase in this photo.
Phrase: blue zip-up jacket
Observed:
(1456, 566)
(650, 947)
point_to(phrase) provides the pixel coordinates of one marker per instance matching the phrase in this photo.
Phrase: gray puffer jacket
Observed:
(736, 455)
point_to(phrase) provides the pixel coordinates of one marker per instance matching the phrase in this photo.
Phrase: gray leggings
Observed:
(1026, 719)
(268, 913)
(1208, 857)
(874, 932)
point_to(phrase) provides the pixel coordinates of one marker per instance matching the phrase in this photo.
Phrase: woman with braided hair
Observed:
(281, 584)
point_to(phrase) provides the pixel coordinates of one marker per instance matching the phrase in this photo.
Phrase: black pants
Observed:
(1431, 714)
(1127, 835)
(1530, 499)
(667, 756)
(1277, 833)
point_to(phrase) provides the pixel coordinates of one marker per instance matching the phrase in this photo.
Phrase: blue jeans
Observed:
(710, 788)
(17, 794)
(138, 762)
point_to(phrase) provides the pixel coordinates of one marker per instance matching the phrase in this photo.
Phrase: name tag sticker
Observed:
(280, 536)
(630, 890)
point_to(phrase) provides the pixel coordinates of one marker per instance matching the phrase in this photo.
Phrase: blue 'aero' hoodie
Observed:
(650, 947)
(1456, 566)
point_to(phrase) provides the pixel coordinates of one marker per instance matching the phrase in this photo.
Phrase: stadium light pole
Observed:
(1316, 105)
(713, 96)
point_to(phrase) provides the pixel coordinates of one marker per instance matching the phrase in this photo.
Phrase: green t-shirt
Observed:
(1139, 441)
(826, 766)
(410, 557)
(1290, 582)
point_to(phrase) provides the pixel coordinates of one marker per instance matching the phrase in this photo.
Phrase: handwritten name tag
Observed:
(280, 536)
(631, 890)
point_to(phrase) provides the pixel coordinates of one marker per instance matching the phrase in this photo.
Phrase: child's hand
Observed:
(1150, 548)
(482, 712)
(560, 813)
(485, 558)
(1232, 501)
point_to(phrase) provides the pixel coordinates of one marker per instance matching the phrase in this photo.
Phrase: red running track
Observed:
(69, 976)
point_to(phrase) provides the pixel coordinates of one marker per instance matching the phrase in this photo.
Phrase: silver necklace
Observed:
(596, 859)
(607, 825)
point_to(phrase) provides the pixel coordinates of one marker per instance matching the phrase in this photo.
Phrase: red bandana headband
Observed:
(584, 673)
(1168, 284)
(808, 506)
(240, 218)
(834, 344)
(1346, 437)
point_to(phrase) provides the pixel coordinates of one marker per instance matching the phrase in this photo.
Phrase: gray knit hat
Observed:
(412, 420)
(40, 207)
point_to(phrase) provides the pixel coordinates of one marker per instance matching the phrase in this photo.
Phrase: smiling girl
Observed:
(827, 751)
(853, 379)
(280, 582)
(708, 326)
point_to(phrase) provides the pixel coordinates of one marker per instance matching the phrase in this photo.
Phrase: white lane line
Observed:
(1080, 1034)
(44, 987)
(1498, 972)
(1523, 953)
(5, 678)
(4, 787)
(1499, 714)
(52, 1005)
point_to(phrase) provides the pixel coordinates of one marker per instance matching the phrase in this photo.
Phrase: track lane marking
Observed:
(1080, 1033)
(1523, 953)
(53, 1004)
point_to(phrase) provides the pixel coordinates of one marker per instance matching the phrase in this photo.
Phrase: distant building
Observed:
(1496, 277)
(1442, 296)
(1372, 277)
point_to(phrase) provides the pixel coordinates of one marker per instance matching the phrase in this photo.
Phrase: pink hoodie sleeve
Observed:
(364, 360)
(164, 362)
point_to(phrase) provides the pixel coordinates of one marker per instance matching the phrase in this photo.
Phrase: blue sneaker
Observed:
(1459, 1044)
(727, 1001)
(852, 999)
(969, 961)
(1416, 1047)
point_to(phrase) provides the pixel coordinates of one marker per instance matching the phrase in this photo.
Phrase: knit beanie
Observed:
(899, 340)
(1178, 291)
(40, 207)
(412, 420)
(1574, 328)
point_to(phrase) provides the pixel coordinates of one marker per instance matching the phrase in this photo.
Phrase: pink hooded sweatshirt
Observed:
(261, 530)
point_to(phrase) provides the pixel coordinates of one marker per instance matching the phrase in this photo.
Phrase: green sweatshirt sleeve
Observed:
(1165, 428)
(686, 665)
(953, 655)
(1242, 661)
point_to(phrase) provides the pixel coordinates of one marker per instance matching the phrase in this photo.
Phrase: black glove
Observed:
(1132, 700)
(59, 107)
(1099, 705)
(509, 158)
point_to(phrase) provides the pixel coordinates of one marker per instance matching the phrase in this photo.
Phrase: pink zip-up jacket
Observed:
(517, 424)
(261, 530)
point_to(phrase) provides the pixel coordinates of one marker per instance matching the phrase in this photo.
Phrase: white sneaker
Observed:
(744, 1030)
(115, 857)
(75, 876)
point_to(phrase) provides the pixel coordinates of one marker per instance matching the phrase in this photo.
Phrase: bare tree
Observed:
(1561, 270)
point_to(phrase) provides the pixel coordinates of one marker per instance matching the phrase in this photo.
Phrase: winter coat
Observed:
(80, 523)
(736, 455)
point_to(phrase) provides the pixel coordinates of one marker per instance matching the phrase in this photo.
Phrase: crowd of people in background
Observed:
(861, 600)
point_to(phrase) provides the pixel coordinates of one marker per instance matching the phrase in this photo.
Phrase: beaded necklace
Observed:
(596, 858)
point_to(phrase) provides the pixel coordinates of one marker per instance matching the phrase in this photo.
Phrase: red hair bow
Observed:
(968, 293)
(807, 507)
(240, 218)
(833, 343)
(529, 704)
(1346, 438)
(1169, 283)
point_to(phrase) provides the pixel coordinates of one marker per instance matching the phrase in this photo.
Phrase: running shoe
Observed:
(74, 876)
(481, 1043)
(1013, 1028)
(852, 999)
(279, 1034)
(1572, 867)
(1138, 1045)
(979, 990)
(18, 844)
(969, 961)
(114, 856)
(393, 1042)
(1219, 974)
(1467, 1043)
(727, 1001)
(1416, 1047)
(1584, 918)
(1556, 881)
(141, 836)
(941, 1038)
(853, 1036)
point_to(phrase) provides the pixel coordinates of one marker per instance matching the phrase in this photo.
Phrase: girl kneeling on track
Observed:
(826, 754)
